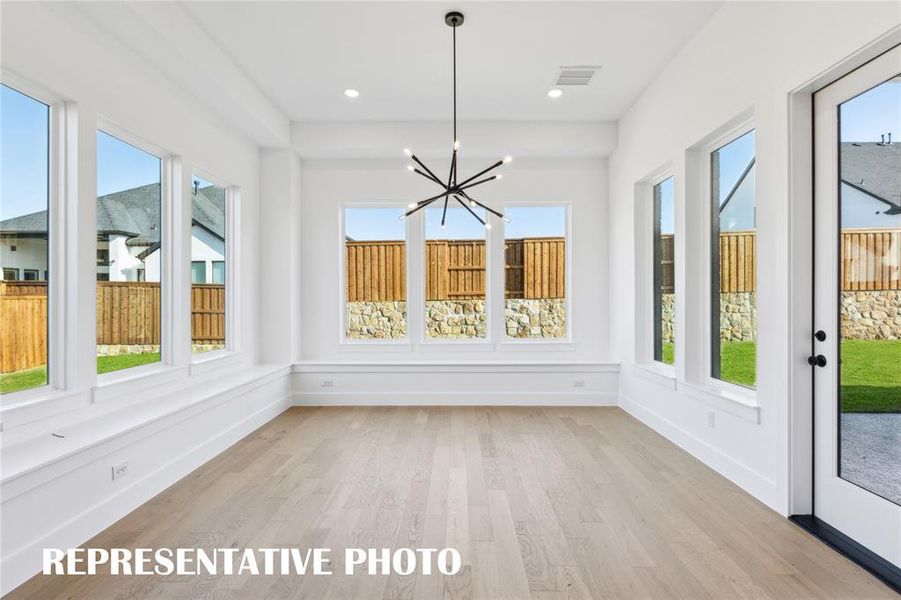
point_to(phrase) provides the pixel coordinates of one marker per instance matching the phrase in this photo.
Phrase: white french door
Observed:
(857, 305)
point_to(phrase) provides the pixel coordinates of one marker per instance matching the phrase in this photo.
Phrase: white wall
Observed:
(744, 61)
(31, 253)
(326, 184)
(178, 414)
(360, 163)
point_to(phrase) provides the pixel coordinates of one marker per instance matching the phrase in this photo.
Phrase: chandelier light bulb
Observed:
(487, 225)
(408, 152)
(351, 93)
(500, 175)
(508, 159)
(411, 205)
(411, 168)
(443, 226)
(506, 219)
(472, 203)
(402, 217)
(555, 93)
(456, 144)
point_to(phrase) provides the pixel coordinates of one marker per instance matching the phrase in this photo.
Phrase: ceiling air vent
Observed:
(575, 76)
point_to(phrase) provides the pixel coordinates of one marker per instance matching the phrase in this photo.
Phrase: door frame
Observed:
(800, 417)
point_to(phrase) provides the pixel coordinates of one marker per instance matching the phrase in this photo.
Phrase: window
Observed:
(219, 271)
(198, 271)
(375, 273)
(24, 239)
(31, 274)
(455, 274)
(209, 207)
(128, 218)
(664, 265)
(733, 262)
(535, 272)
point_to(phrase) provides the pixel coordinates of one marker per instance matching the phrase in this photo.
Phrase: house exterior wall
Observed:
(30, 253)
(208, 248)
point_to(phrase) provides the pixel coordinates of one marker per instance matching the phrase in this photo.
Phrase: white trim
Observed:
(741, 125)
(439, 398)
(660, 373)
(361, 344)
(542, 343)
(466, 344)
(58, 161)
(757, 484)
(519, 366)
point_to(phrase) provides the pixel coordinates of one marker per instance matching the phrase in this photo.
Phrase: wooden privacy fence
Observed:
(871, 260)
(455, 269)
(127, 313)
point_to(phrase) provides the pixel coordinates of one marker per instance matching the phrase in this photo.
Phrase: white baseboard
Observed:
(453, 399)
(754, 483)
(25, 561)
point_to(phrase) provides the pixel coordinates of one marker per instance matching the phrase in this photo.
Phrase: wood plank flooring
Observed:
(542, 503)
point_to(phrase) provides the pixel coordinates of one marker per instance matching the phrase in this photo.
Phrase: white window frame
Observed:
(232, 269)
(510, 342)
(58, 261)
(479, 344)
(649, 313)
(727, 135)
(168, 191)
(349, 343)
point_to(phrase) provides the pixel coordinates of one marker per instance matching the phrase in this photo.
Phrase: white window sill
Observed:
(375, 346)
(460, 345)
(736, 400)
(660, 373)
(136, 380)
(209, 361)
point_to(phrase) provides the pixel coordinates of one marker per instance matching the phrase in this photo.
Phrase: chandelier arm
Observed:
(460, 188)
(426, 202)
(430, 178)
(444, 212)
(480, 173)
(425, 168)
(491, 210)
(472, 212)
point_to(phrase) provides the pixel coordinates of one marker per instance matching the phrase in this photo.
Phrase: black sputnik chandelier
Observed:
(453, 188)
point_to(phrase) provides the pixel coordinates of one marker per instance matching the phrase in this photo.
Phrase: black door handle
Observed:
(816, 361)
(820, 335)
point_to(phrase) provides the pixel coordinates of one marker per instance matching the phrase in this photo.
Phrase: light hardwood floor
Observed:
(542, 503)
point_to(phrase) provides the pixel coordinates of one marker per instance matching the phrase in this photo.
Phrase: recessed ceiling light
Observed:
(351, 93)
(555, 93)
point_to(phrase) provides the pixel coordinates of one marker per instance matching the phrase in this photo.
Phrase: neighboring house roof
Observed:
(874, 169)
(133, 213)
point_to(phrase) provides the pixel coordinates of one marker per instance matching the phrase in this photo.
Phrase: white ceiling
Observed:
(302, 55)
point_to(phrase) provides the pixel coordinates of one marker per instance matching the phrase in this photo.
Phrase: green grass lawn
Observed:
(871, 372)
(871, 376)
(30, 378)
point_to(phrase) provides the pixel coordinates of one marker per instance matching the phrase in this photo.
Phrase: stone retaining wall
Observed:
(738, 316)
(375, 320)
(535, 318)
(120, 349)
(873, 315)
(456, 319)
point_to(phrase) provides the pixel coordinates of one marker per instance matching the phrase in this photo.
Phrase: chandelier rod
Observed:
(455, 79)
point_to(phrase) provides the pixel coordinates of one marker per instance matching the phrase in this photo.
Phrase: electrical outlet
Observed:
(580, 383)
(120, 470)
(327, 383)
(711, 419)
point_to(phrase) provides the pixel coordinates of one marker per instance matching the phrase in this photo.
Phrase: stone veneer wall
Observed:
(871, 315)
(457, 319)
(120, 349)
(668, 318)
(738, 316)
(375, 320)
(535, 318)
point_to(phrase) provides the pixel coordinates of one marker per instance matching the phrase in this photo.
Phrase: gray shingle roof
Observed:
(875, 169)
(135, 213)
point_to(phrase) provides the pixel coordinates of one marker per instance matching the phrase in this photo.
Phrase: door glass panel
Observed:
(870, 281)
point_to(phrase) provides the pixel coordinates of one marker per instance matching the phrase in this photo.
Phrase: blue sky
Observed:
(878, 111)
(23, 154)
